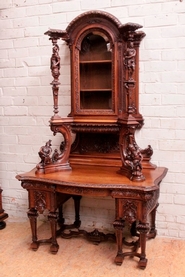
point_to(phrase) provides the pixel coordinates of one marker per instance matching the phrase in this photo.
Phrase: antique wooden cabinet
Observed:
(98, 155)
(104, 97)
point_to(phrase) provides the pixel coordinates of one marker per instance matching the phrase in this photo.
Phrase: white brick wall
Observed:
(26, 98)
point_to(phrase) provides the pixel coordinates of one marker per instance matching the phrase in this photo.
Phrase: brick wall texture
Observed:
(26, 103)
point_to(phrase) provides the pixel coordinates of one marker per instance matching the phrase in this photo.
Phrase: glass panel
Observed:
(95, 75)
(95, 47)
(95, 100)
(95, 72)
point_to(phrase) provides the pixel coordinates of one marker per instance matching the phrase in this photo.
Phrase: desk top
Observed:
(96, 177)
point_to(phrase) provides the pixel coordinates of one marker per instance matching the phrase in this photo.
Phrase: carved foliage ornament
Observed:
(129, 211)
(40, 201)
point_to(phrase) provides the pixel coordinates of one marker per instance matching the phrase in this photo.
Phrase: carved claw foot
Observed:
(118, 259)
(54, 248)
(142, 263)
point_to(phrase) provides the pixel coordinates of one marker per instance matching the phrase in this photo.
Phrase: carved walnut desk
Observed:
(98, 154)
(134, 201)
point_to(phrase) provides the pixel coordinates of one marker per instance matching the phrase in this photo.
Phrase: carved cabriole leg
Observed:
(143, 229)
(32, 215)
(118, 226)
(52, 217)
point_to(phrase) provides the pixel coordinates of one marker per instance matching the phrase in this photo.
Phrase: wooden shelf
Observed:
(96, 61)
(96, 90)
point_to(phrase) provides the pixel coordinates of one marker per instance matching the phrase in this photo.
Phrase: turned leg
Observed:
(61, 219)
(52, 217)
(133, 230)
(61, 199)
(118, 226)
(32, 215)
(153, 231)
(77, 199)
(143, 229)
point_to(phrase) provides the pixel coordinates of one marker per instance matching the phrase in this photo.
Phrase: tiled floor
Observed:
(78, 257)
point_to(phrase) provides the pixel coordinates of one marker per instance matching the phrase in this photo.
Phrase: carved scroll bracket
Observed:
(131, 155)
(59, 160)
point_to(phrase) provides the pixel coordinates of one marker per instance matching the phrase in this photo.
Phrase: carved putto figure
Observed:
(133, 159)
(45, 152)
(55, 155)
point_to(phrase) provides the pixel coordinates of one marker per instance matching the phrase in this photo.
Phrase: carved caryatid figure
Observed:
(45, 152)
(55, 64)
(130, 64)
(130, 59)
